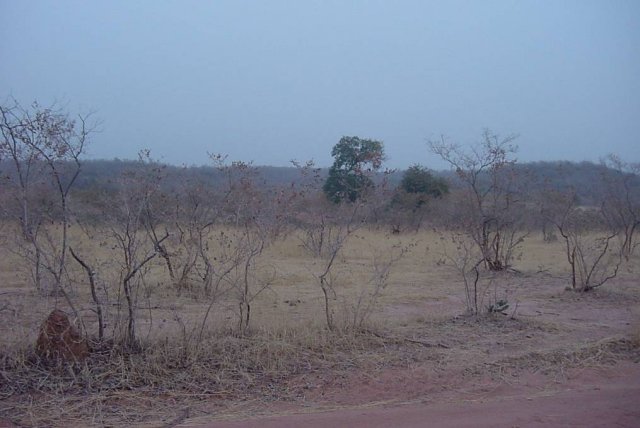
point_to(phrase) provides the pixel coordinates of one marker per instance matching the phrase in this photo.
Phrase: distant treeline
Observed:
(559, 175)
(99, 175)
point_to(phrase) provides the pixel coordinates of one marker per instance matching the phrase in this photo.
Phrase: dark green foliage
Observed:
(417, 187)
(345, 185)
(418, 179)
(354, 158)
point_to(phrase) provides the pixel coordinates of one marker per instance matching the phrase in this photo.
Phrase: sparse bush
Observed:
(590, 239)
(492, 196)
(180, 277)
(622, 200)
(45, 147)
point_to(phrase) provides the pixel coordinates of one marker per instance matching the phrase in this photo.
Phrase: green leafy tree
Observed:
(420, 181)
(354, 158)
(417, 187)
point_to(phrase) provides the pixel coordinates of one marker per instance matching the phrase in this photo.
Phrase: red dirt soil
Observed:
(595, 397)
(592, 394)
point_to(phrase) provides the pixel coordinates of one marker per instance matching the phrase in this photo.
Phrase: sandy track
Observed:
(590, 398)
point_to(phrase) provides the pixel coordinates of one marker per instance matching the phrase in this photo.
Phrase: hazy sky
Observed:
(271, 81)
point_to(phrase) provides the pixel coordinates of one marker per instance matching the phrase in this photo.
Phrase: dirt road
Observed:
(591, 398)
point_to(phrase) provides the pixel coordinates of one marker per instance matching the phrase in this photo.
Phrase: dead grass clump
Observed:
(555, 362)
(622, 295)
(222, 367)
(472, 330)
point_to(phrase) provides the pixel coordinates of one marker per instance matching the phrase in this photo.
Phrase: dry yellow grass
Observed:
(416, 321)
(422, 275)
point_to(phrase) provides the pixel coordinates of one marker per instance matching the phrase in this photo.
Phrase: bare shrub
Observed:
(382, 263)
(490, 200)
(91, 276)
(464, 256)
(590, 238)
(258, 218)
(133, 247)
(45, 147)
(622, 200)
(343, 226)
(312, 211)
(325, 227)
(466, 259)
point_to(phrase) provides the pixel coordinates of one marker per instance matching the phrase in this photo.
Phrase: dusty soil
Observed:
(588, 398)
(552, 365)
(556, 358)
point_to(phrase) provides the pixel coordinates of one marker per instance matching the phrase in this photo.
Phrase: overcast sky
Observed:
(271, 81)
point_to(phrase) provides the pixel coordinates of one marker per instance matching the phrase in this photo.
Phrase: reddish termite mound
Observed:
(59, 339)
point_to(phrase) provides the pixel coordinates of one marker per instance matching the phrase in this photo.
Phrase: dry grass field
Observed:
(416, 342)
